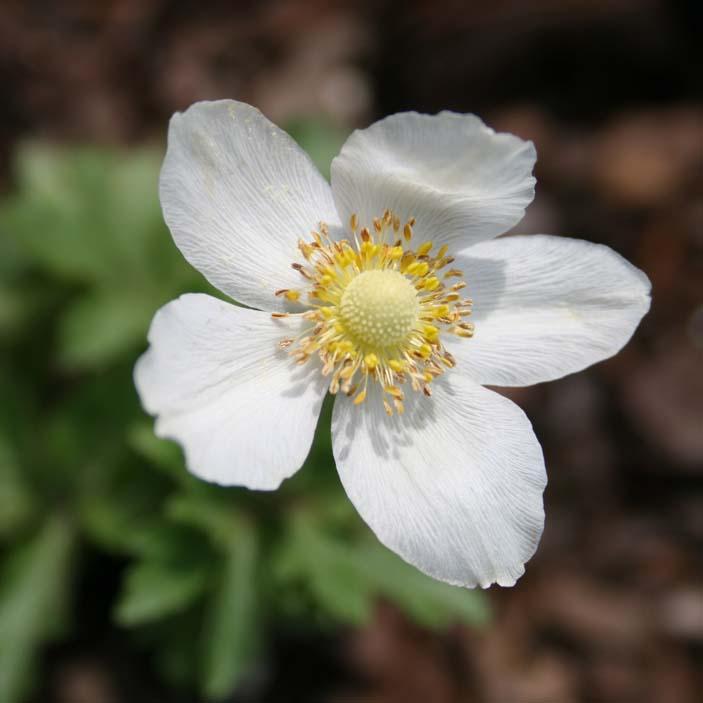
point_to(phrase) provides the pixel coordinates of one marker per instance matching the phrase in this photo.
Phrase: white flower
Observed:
(362, 285)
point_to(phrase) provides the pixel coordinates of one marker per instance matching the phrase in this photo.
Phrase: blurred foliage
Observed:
(85, 260)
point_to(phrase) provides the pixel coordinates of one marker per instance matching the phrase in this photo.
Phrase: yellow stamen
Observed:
(397, 366)
(371, 361)
(378, 309)
(424, 249)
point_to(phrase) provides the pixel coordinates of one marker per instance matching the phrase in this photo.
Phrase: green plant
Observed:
(85, 260)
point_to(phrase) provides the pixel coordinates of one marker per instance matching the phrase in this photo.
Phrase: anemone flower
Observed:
(392, 290)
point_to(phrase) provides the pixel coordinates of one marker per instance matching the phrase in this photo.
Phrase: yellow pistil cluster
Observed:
(378, 308)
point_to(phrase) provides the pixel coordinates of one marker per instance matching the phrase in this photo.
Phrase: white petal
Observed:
(220, 386)
(454, 485)
(458, 178)
(545, 307)
(237, 193)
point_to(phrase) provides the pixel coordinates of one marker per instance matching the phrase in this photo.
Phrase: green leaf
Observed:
(429, 602)
(33, 599)
(86, 214)
(175, 642)
(16, 501)
(345, 577)
(329, 571)
(154, 590)
(232, 632)
(126, 529)
(161, 453)
(13, 258)
(18, 305)
(56, 215)
(101, 326)
(212, 514)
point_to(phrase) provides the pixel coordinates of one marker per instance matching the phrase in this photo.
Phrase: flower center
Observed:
(379, 309)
